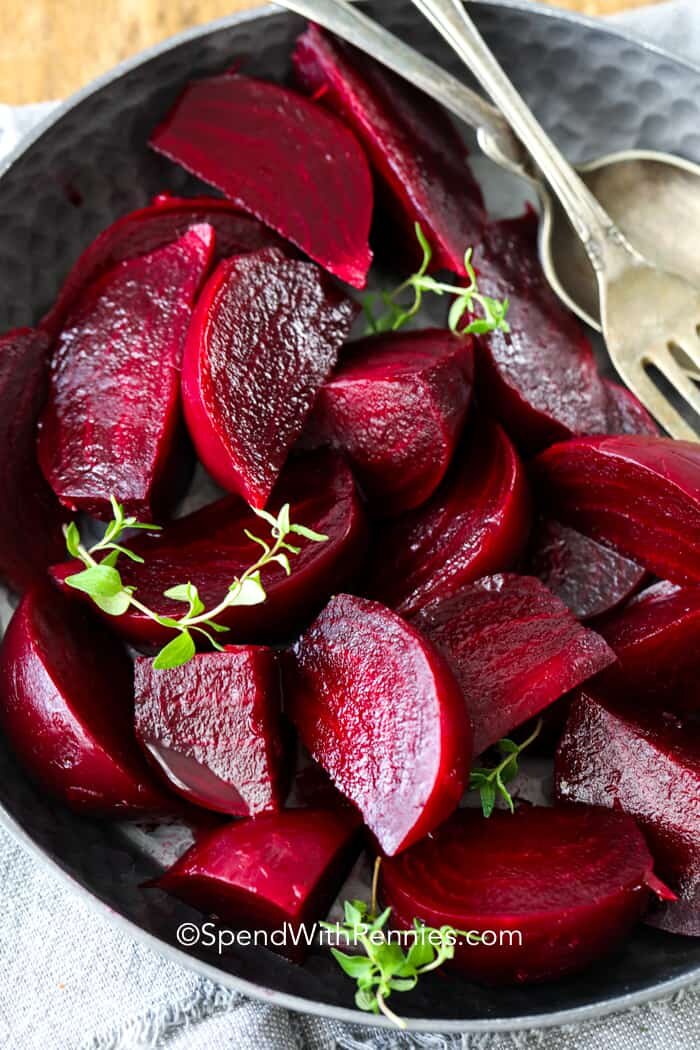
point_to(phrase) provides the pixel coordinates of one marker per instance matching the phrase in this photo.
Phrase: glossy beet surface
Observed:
(30, 520)
(66, 707)
(212, 727)
(514, 648)
(377, 707)
(396, 405)
(113, 415)
(645, 763)
(640, 495)
(209, 548)
(410, 141)
(264, 336)
(476, 523)
(571, 880)
(282, 158)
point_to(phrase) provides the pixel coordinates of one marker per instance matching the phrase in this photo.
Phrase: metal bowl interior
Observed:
(597, 92)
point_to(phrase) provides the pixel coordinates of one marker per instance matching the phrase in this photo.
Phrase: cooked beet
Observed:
(589, 578)
(66, 708)
(282, 158)
(112, 420)
(30, 522)
(637, 494)
(209, 548)
(625, 412)
(264, 336)
(379, 710)
(514, 648)
(213, 728)
(411, 142)
(476, 523)
(396, 405)
(646, 764)
(569, 883)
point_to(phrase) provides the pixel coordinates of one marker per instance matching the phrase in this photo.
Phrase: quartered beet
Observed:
(209, 548)
(614, 753)
(475, 524)
(396, 405)
(637, 494)
(264, 336)
(112, 421)
(281, 158)
(410, 141)
(30, 520)
(66, 709)
(213, 728)
(261, 874)
(625, 412)
(514, 648)
(378, 709)
(571, 881)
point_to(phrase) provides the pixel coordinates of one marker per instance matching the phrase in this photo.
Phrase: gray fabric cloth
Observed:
(71, 981)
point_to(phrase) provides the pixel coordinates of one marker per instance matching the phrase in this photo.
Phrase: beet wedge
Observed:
(30, 522)
(209, 548)
(569, 883)
(112, 421)
(281, 158)
(637, 494)
(411, 143)
(66, 708)
(514, 648)
(379, 710)
(643, 763)
(213, 728)
(396, 405)
(264, 336)
(477, 523)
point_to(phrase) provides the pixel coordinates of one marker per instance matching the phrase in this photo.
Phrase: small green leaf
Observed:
(115, 606)
(487, 792)
(308, 534)
(283, 560)
(256, 539)
(247, 592)
(177, 652)
(186, 592)
(425, 245)
(353, 914)
(72, 535)
(283, 520)
(381, 920)
(457, 311)
(366, 1000)
(508, 747)
(353, 965)
(389, 958)
(99, 581)
(403, 984)
(421, 951)
(266, 516)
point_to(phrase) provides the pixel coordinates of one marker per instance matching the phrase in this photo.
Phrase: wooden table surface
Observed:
(49, 48)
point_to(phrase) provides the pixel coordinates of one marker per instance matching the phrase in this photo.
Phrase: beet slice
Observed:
(590, 579)
(637, 494)
(30, 522)
(209, 548)
(66, 708)
(379, 710)
(514, 648)
(282, 158)
(476, 523)
(396, 405)
(112, 419)
(280, 868)
(625, 412)
(264, 336)
(412, 144)
(572, 881)
(646, 764)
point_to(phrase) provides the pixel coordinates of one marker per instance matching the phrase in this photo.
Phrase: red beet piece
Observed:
(66, 708)
(209, 548)
(396, 405)
(30, 522)
(112, 419)
(637, 494)
(476, 523)
(379, 710)
(261, 874)
(282, 158)
(513, 647)
(410, 141)
(589, 578)
(568, 883)
(264, 336)
(625, 412)
(648, 765)
(212, 727)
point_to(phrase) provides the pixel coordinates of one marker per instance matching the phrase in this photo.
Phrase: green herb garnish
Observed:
(492, 782)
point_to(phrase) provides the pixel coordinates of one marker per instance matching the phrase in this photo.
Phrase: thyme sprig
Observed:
(490, 783)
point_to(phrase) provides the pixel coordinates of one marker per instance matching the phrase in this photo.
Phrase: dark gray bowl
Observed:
(597, 92)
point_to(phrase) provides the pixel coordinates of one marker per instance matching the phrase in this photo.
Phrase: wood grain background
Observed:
(49, 48)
